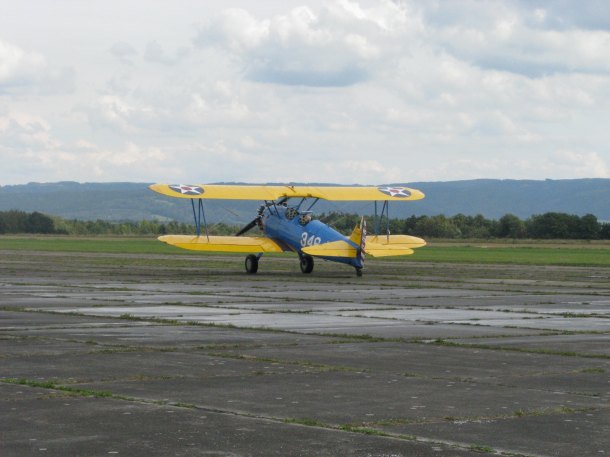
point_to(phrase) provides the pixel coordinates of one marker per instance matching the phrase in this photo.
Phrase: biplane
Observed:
(285, 223)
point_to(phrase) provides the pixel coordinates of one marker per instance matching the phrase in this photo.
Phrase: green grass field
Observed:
(526, 253)
(518, 255)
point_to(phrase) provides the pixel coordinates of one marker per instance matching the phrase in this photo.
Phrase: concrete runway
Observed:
(152, 355)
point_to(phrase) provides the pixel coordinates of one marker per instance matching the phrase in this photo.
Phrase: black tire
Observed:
(251, 264)
(358, 271)
(306, 264)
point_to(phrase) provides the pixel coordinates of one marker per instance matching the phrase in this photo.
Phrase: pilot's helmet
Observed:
(291, 213)
(304, 219)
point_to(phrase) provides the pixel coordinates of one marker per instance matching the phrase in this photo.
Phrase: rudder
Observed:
(358, 237)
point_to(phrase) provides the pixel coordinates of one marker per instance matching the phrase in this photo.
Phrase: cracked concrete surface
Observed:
(145, 355)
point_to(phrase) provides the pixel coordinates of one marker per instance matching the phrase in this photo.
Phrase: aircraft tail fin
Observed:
(358, 237)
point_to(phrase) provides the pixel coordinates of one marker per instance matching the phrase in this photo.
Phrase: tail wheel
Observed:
(251, 264)
(306, 263)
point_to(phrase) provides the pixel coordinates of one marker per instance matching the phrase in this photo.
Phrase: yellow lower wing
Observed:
(383, 246)
(332, 249)
(252, 244)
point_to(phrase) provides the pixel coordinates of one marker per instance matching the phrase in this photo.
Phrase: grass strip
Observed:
(55, 386)
(443, 342)
(300, 363)
(464, 252)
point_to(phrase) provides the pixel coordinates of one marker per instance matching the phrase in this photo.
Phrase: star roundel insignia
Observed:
(185, 189)
(399, 192)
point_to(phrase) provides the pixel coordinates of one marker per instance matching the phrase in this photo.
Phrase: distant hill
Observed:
(490, 197)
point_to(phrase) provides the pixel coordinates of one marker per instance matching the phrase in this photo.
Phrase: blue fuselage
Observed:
(297, 231)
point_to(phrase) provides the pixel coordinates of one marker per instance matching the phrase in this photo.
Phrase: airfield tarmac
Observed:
(170, 355)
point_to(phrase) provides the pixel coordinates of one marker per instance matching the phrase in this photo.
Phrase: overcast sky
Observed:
(343, 91)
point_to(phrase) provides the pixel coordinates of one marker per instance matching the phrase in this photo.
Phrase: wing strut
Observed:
(385, 210)
(314, 202)
(387, 218)
(198, 216)
(375, 221)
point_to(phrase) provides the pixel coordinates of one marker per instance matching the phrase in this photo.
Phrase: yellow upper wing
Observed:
(260, 192)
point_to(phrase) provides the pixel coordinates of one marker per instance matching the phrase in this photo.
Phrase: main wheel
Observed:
(358, 271)
(306, 263)
(251, 264)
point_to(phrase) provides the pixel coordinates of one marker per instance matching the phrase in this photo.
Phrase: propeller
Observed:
(253, 222)
(248, 226)
(261, 209)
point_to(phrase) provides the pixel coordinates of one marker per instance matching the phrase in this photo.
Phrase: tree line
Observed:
(21, 222)
(550, 225)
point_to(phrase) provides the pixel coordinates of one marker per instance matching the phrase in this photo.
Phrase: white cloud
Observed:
(367, 171)
(517, 38)
(586, 164)
(124, 52)
(22, 130)
(113, 112)
(530, 52)
(24, 72)
(156, 53)
(29, 152)
(337, 46)
(563, 15)
(18, 67)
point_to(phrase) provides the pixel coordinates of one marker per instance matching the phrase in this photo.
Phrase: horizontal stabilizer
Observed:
(403, 240)
(383, 246)
(251, 244)
(332, 249)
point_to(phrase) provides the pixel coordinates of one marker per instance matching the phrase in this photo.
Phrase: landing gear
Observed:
(251, 264)
(306, 263)
(358, 271)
